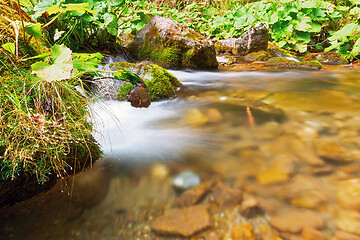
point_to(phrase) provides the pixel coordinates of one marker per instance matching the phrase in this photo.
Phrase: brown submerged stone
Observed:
(226, 196)
(295, 221)
(139, 97)
(193, 195)
(184, 222)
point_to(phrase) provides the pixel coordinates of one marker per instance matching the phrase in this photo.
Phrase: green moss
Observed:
(162, 84)
(259, 56)
(168, 57)
(159, 83)
(286, 63)
(327, 57)
(279, 51)
(124, 90)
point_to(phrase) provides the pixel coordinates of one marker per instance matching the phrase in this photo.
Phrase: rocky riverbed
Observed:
(277, 155)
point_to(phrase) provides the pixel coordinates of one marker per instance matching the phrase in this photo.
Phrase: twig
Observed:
(250, 118)
(52, 20)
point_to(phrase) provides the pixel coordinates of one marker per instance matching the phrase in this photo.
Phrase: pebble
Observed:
(348, 194)
(340, 235)
(348, 221)
(279, 171)
(225, 196)
(184, 222)
(250, 206)
(307, 134)
(193, 195)
(159, 171)
(243, 231)
(213, 115)
(295, 221)
(195, 117)
(333, 150)
(185, 180)
(312, 234)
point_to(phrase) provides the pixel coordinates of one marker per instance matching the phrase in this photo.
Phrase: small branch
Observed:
(64, 10)
(250, 118)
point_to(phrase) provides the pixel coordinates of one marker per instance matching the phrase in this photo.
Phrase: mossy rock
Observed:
(159, 83)
(279, 52)
(258, 56)
(286, 63)
(44, 134)
(173, 45)
(326, 58)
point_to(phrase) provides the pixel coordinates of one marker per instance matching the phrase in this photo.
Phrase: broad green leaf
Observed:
(356, 48)
(79, 8)
(42, 6)
(303, 25)
(342, 8)
(355, 1)
(54, 9)
(301, 48)
(34, 29)
(60, 69)
(303, 36)
(308, 4)
(108, 18)
(125, 74)
(116, 3)
(347, 30)
(315, 27)
(334, 46)
(274, 18)
(355, 11)
(10, 47)
(240, 22)
(39, 65)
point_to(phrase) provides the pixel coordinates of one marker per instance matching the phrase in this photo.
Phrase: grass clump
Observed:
(44, 128)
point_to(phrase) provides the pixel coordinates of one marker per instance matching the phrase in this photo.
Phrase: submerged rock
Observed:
(326, 58)
(139, 97)
(184, 222)
(295, 221)
(185, 180)
(193, 195)
(253, 40)
(173, 45)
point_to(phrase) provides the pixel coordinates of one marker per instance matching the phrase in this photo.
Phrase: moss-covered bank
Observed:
(44, 134)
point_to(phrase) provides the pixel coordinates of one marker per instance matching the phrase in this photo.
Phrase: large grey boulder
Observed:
(253, 40)
(173, 45)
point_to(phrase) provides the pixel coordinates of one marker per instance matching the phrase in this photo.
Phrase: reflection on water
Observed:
(290, 140)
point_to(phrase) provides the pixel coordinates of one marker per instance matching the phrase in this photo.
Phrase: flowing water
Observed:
(289, 139)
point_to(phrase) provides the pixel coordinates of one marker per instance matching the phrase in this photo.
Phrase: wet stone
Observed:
(225, 196)
(295, 221)
(250, 207)
(195, 117)
(194, 195)
(348, 194)
(340, 235)
(348, 221)
(185, 180)
(243, 231)
(184, 222)
(332, 149)
(312, 234)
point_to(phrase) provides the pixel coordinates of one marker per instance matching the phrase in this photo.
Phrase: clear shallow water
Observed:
(290, 139)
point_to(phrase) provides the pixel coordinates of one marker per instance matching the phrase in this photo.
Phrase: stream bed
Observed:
(288, 141)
